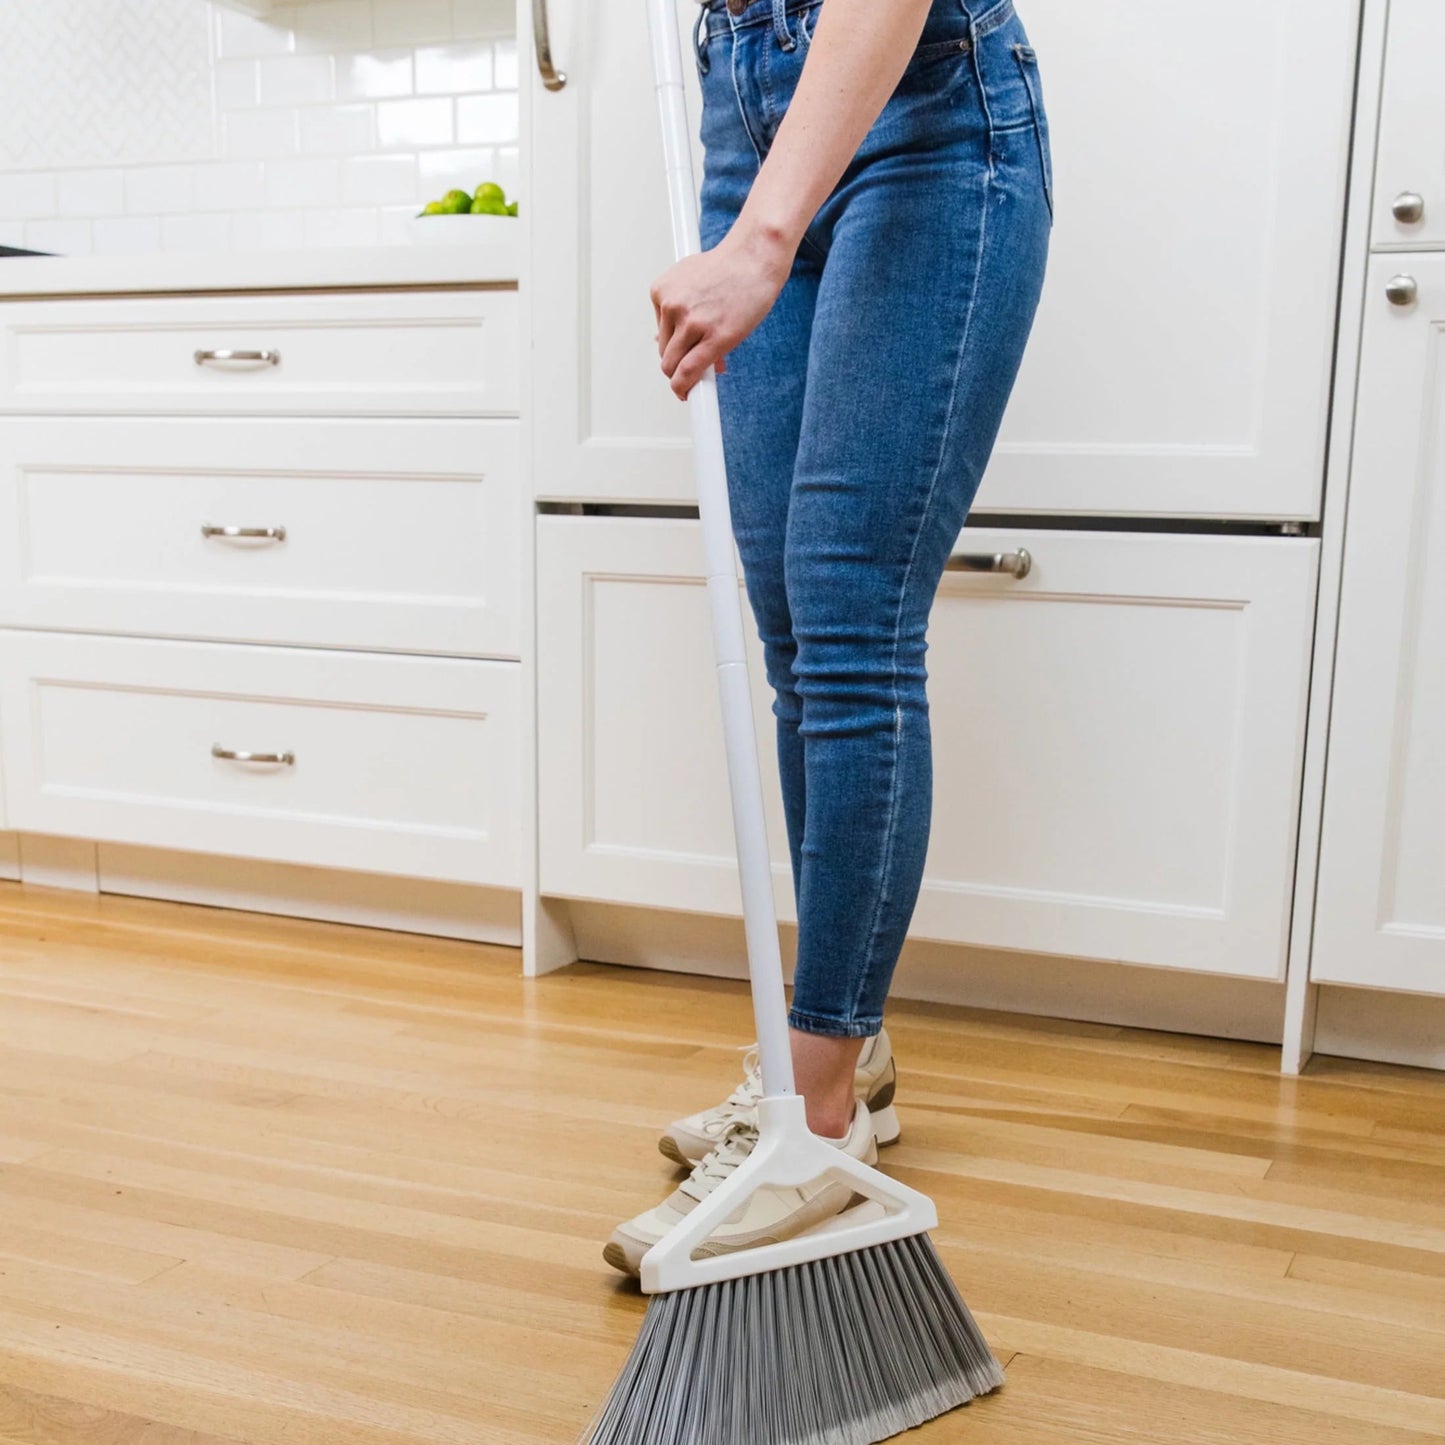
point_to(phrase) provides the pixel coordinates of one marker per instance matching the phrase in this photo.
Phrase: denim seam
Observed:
(737, 91)
(959, 354)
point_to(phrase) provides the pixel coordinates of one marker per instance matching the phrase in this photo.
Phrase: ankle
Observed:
(832, 1118)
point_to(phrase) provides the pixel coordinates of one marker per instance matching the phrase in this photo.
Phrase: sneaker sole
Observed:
(616, 1256)
(886, 1130)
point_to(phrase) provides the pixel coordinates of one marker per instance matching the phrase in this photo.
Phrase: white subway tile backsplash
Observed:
(482, 118)
(230, 186)
(380, 75)
(411, 22)
(59, 238)
(241, 36)
(237, 83)
(329, 122)
(299, 183)
(378, 180)
(441, 171)
(155, 190)
(453, 69)
(127, 235)
(509, 170)
(338, 130)
(90, 193)
(473, 18)
(413, 123)
(504, 58)
(296, 80)
(196, 233)
(360, 227)
(261, 134)
(26, 196)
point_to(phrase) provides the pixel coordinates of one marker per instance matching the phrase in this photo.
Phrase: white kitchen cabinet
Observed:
(1117, 739)
(400, 534)
(1180, 365)
(603, 423)
(415, 353)
(384, 763)
(1409, 211)
(1381, 902)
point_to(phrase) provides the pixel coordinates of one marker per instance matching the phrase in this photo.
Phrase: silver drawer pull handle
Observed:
(273, 534)
(236, 756)
(256, 358)
(552, 78)
(1017, 564)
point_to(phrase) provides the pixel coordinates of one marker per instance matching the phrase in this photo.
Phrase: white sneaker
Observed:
(768, 1215)
(874, 1081)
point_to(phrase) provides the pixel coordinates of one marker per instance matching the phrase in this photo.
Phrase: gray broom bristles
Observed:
(843, 1351)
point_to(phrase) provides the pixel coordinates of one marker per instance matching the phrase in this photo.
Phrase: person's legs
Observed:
(935, 243)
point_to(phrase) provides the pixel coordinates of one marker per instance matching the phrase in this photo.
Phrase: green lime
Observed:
(433, 208)
(490, 190)
(488, 206)
(456, 203)
(512, 209)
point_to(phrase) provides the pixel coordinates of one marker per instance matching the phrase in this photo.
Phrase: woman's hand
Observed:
(708, 303)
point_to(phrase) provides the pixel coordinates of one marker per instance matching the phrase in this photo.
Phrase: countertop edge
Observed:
(352, 267)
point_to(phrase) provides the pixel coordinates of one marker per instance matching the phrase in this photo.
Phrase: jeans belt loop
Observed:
(780, 25)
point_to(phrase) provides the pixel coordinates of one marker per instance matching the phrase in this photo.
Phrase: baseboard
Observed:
(371, 900)
(1117, 993)
(1353, 1023)
(1381, 1024)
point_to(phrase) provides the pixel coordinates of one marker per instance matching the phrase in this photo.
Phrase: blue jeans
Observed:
(857, 422)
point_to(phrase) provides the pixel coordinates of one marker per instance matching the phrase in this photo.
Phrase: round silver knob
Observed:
(1401, 290)
(1408, 208)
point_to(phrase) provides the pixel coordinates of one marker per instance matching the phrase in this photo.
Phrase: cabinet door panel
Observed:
(1381, 912)
(604, 421)
(1411, 160)
(1117, 740)
(1180, 362)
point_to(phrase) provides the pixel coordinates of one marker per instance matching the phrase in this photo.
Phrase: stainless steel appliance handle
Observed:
(1016, 564)
(552, 78)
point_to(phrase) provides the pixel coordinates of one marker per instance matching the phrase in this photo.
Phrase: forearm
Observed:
(858, 53)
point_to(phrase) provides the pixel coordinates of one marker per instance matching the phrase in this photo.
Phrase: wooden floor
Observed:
(271, 1181)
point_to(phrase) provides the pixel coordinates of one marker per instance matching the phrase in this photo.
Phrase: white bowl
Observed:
(462, 230)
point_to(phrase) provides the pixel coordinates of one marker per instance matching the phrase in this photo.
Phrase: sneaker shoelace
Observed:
(735, 1145)
(740, 1104)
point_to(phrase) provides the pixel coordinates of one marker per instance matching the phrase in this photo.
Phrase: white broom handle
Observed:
(755, 870)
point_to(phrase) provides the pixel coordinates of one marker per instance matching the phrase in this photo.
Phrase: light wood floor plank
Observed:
(276, 1182)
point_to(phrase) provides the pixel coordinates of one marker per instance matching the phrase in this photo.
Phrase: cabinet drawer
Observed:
(402, 765)
(417, 353)
(398, 535)
(1411, 158)
(1117, 739)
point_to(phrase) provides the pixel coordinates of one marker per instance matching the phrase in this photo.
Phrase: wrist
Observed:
(769, 242)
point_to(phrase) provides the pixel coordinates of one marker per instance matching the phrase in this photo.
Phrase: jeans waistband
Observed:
(719, 18)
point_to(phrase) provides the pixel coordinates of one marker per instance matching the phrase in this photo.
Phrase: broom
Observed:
(852, 1331)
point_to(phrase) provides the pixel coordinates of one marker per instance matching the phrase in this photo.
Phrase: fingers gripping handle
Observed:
(755, 872)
